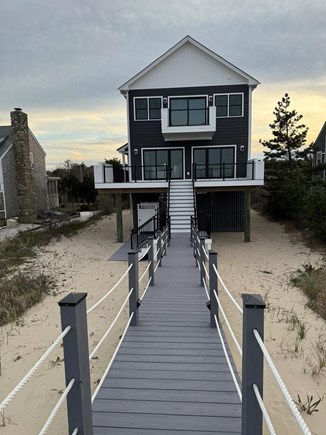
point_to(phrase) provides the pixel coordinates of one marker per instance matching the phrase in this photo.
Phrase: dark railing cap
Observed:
(253, 301)
(72, 299)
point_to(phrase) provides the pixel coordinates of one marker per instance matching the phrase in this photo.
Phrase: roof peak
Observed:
(188, 39)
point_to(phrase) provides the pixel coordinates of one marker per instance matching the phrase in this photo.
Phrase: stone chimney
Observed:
(26, 188)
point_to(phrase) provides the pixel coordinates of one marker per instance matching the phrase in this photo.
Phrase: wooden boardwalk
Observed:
(170, 375)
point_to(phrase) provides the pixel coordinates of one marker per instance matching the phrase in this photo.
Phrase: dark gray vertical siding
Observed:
(229, 131)
(225, 210)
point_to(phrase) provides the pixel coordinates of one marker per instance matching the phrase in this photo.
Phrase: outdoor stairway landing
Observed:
(181, 206)
(170, 375)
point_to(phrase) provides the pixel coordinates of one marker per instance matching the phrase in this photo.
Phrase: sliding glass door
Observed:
(214, 162)
(156, 163)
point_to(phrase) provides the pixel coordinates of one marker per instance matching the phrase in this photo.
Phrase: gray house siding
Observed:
(229, 131)
(9, 182)
(39, 173)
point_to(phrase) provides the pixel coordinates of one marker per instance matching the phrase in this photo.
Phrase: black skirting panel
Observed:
(224, 208)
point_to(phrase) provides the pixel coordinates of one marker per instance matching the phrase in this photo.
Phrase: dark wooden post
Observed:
(133, 284)
(118, 212)
(247, 232)
(151, 260)
(164, 242)
(159, 248)
(213, 285)
(201, 259)
(76, 360)
(252, 364)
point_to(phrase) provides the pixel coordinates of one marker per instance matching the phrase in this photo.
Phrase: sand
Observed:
(80, 264)
(264, 266)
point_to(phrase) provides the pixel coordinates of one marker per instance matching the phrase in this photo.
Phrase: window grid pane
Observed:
(221, 102)
(235, 105)
(188, 111)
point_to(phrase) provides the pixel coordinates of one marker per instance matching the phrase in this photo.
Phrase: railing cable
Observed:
(32, 371)
(146, 270)
(206, 273)
(57, 407)
(145, 253)
(205, 252)
(112, 359)
(111, 326)
(228, 325)
(227, 291)
(146, 288)
(109, 292)
(205, 287)
(158, 263)
(304, 428)
(264, 410)
(228, 360)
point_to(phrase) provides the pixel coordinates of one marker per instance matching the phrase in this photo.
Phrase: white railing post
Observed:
(133, 286)
(76, 361)
(252, 364)
(151, 260)
(213, 286)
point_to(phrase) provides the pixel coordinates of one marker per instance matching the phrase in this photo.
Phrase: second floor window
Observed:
(228, 105)
(147, 108)
(188, 111)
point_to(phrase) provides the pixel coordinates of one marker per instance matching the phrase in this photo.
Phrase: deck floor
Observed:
(170, 375)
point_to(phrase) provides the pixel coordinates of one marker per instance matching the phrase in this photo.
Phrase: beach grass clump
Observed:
(312, 281)
(20, 292)
(17, 250)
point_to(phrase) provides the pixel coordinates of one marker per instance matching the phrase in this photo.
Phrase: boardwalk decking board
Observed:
(170, 375)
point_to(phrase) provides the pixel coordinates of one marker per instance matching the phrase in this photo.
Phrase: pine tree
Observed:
(289, 136)
(286, 163)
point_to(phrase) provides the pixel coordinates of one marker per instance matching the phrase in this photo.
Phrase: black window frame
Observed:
(209, 170)
(188, 110)
(241, 94)
(148, 109)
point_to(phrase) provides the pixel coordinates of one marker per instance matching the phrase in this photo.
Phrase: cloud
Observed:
(63, 61)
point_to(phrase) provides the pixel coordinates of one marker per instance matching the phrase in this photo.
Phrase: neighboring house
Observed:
(320, 151)
(23, 187)
(189, 139)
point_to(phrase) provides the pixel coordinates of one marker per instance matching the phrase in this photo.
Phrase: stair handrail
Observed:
(193, 192)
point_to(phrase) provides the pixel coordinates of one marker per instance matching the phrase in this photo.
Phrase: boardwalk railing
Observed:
(150, 228)
(74, 336)
(253, 350)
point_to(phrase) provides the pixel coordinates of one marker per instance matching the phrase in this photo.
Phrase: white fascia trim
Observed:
(133, 185)
(128, 132)
(251, 80)
(229, 183)
(249, 120)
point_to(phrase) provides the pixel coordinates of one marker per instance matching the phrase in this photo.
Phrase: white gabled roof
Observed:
(188, 64)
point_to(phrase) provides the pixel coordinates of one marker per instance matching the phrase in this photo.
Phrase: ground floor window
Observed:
(158, 162)
(214, 162)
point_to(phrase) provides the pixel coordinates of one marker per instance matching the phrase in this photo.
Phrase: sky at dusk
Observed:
(63, 61)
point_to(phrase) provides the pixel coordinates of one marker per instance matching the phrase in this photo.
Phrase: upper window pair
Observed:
(229, 105)
(147, 108)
